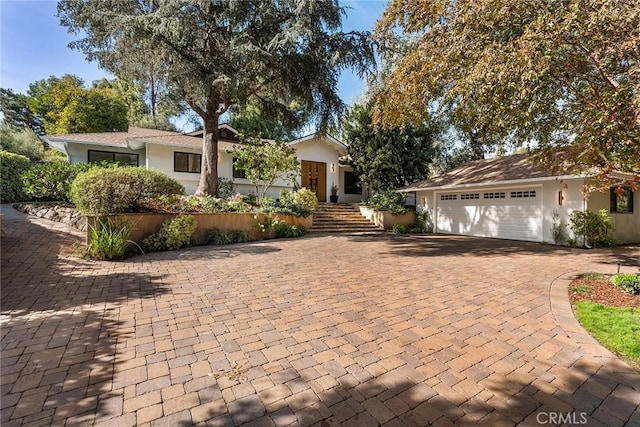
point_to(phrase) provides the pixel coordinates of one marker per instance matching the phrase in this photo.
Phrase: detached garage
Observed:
(511, 198)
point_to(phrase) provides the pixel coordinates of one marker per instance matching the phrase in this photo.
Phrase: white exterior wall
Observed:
(573, 200)
(161, 157)
(317, 151)
(79, 153)
(348, 198)
(627, 225)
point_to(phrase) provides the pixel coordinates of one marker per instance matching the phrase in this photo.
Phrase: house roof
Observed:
(330, 140)
(517, 167)
(135, 138)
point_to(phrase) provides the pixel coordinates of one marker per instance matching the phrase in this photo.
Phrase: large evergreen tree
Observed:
(220, 54)
(561, 74)
(387, 158)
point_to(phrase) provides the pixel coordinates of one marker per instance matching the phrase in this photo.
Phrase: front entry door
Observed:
(314, 178)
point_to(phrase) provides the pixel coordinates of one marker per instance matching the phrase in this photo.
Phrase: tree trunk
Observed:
(209, 169)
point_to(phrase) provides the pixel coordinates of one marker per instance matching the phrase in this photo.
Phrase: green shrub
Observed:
(174, 234)
(117, 190)
(593, 228)
(225, 188)
(11, 168)
(399, 229)
(52, 181)
(218, 237)
(109, 239)
(627, 282)
(285, 230)
(423, 223)
(390, 200)
(559, 230)
(270, 223)
(305, 199)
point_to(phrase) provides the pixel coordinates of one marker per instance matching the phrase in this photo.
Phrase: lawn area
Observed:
(609, 313)
(618, 329)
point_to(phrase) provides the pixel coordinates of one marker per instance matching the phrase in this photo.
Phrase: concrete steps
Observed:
(340, 218)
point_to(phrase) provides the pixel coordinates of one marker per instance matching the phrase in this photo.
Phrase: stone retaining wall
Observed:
(65, 214)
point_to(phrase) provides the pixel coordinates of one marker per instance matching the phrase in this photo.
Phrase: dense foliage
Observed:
(223, 54)
(52, 181)
(218, 237)
(560, 74)
(387, 201)
(16, 114)
(628, 282)
(108, 239)
(11, 168)
(118, 190)
(593, 229)
(389, 157)
(174, 234)
(22, 141)
(65, 106)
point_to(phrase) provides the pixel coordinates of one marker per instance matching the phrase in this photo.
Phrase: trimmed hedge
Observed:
(118, 190)
(11, 168)
(52, 181)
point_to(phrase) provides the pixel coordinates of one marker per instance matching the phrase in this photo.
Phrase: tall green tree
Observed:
(386, 158)
(17, 114)
(65, 106)
(220, 54)
(561, 74)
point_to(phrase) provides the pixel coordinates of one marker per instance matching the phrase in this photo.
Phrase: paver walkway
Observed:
(326, 331)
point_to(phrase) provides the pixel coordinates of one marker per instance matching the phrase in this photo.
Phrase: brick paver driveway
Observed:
(329, 330)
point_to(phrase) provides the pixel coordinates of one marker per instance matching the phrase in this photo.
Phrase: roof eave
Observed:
(411, 189)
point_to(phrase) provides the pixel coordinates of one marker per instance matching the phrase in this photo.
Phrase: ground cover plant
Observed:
(109, 239)
(609, 312)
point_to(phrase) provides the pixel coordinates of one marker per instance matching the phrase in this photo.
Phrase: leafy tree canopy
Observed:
(265, 162)
(220, 54)
(17, 114)
(389, 157)
(561, 74)
(65, 106)
(251, 120)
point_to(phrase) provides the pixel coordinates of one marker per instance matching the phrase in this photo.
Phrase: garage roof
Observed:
(516, 167)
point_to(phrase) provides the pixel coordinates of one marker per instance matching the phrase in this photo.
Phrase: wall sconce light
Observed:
(560, 198)
(333, 167)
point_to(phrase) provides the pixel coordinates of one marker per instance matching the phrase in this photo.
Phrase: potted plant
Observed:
(334, 193)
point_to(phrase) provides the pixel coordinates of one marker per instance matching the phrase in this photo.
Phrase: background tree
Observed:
(65, 106)
(264, 163)
(17, 114)
(250, 120)
(561, 74)
(387, 158)
(227, 53)
(22, 141)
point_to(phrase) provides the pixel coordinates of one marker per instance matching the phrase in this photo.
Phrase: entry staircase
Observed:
(340, 218)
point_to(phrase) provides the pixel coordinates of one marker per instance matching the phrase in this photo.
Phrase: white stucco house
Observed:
(179, 155)
(511, 198)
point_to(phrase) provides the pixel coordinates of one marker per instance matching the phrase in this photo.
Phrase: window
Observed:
(448, 197)
(113, 157)
(351, 183)
(498, 195)
(469, 196)
(523, 194)
(186, 162)
(238, 173)
(621, 200)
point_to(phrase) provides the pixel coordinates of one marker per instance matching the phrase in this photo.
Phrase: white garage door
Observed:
(503, 213)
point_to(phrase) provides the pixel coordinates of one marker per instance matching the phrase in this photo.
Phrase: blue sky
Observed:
(33, 45)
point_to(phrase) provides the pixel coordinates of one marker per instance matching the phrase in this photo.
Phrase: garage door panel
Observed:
(509, 214)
